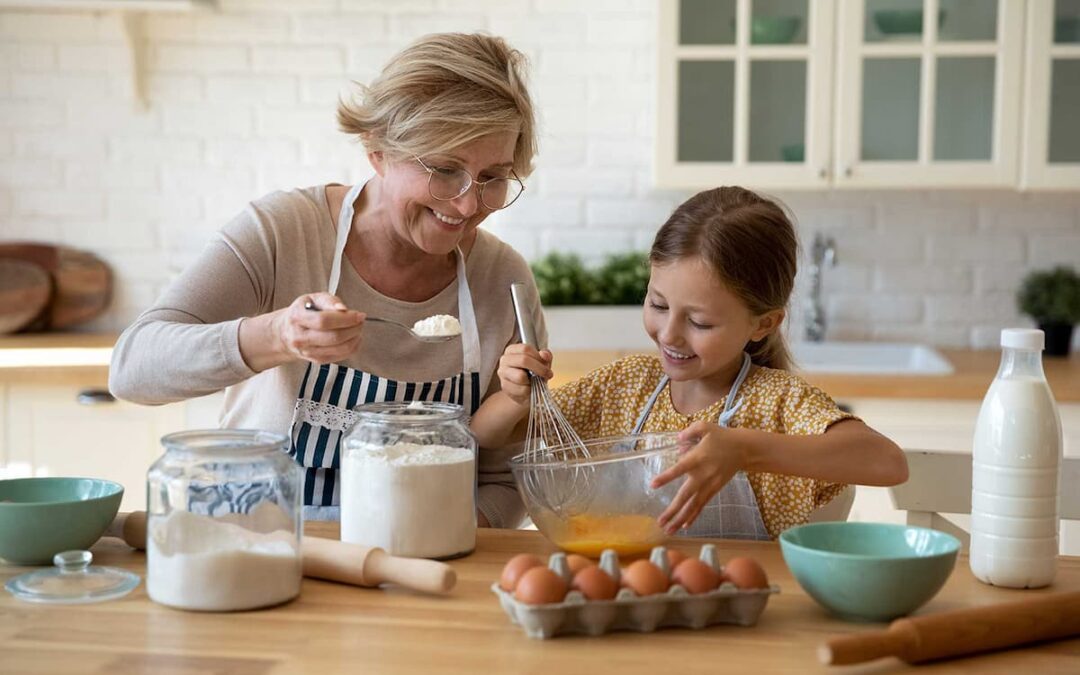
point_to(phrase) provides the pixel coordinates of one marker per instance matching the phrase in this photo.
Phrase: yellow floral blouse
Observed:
(607, 402)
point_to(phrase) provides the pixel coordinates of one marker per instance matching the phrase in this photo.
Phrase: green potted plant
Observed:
(1052, 299)
(593, 307)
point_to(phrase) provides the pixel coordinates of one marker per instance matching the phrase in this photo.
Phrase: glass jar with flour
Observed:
(223, 521)
(408, 480)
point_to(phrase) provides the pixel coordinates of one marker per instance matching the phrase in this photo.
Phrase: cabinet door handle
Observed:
(95, 397)
(823, 173)
(848, 171)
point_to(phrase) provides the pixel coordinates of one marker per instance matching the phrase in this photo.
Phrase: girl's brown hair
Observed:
(749, 242)
(443, 91)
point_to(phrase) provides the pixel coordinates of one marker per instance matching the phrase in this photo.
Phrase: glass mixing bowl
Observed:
(588, 504)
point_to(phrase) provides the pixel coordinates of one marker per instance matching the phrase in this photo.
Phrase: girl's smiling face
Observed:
(700, 326)
(437, 226)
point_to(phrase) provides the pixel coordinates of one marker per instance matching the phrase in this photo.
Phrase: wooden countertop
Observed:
(334, 628)
(974, 369)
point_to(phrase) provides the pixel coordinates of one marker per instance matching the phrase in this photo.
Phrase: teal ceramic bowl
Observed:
(902, 21)
(869, 571)
(40, 517)
(795, 152)
(773, 30)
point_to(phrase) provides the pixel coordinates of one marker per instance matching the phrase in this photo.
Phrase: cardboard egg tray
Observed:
(629, 611)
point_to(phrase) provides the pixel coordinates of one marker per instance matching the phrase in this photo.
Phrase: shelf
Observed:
(133, 12)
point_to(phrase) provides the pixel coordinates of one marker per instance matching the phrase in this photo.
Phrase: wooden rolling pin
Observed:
(331, 560)
(1049, 616)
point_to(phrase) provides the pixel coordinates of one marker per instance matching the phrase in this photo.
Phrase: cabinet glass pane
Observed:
(1067, 22)
(893, 21)
(777, 111)
(706, 111)
(778, 22)
(706, 22)
(964, 108)
(967, 20)
(890, 109)
(1064, 140)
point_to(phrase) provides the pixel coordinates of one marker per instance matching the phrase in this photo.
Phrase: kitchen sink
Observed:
(869, 358)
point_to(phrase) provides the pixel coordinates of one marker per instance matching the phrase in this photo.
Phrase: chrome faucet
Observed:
(822, 254)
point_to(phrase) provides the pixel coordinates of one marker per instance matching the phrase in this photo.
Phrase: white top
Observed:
(1023, 338)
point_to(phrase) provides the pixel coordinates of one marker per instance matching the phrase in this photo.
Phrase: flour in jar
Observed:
(412, 500)
(203, 563)
(437, 326)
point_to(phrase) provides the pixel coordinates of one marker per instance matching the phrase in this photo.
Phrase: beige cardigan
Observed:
(280, 247)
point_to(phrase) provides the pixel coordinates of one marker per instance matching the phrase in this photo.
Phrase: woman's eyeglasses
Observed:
(447, 183)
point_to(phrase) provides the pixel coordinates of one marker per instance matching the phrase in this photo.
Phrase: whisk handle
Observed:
(524, 319)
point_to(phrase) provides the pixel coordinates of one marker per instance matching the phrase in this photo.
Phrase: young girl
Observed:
(761, 448)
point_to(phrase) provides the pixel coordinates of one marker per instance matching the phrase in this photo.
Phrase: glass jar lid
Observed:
(222, 443)
(414, 412)
(73, 580)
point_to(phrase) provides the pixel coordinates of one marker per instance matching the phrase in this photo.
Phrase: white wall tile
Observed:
(60, 204)
(315, 60)
(25, 115)
(97, 58)
(200, 59)
(16, 56)
(871, 308)
(274, 89)
(976, 247)
(31, 173)
(1048, 250)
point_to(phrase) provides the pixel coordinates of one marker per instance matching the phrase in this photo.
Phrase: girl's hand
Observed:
(514, 367)
(711, 456)
(327, 335)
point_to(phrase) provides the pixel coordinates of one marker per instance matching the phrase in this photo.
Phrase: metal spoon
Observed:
(422, 338)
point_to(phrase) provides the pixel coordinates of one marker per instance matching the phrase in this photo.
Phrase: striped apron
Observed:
(733, 513)
(329, 392)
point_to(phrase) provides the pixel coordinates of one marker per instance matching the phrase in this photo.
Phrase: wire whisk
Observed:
(550, 441)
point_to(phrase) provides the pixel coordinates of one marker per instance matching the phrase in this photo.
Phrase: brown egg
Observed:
(595, 584)
(515, 567)
(696, 576)
(540, 586)
(577, 563)
(674, 558)
(644, 578)
(745, 573)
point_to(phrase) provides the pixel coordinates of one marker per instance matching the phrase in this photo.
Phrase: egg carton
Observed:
(676, 607)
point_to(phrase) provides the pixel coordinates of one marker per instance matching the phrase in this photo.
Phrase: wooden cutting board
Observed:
(25, 290)
(81, 282)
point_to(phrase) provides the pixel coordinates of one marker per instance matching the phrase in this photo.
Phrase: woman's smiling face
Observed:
(699, 325)
(434, 226)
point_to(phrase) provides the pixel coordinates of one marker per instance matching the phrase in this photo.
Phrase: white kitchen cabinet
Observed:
(48, 432)
(1052, 96)
(926, 93)
(879, 93)
(745, 90)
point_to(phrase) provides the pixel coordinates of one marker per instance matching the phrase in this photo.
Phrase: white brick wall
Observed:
(242, 102)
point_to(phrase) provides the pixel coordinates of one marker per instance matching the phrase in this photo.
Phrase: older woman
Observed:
(274, 310)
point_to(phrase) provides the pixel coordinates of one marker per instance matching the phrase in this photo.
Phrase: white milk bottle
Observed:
(1014, 481)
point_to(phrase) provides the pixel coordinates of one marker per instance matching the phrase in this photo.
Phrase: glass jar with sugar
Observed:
(408, 480)
(223, 524)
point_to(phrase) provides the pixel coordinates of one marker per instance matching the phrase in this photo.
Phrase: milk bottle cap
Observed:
(1023, 338)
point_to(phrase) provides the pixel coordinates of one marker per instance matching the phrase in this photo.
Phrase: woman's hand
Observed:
(514, 367)
(328, 335)
(711, 456)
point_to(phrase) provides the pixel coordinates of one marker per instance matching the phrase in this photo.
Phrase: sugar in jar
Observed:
(408, 480)
(223, 521)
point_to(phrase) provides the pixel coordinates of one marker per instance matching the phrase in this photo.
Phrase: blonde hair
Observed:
(442, 92)
(750, 244)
